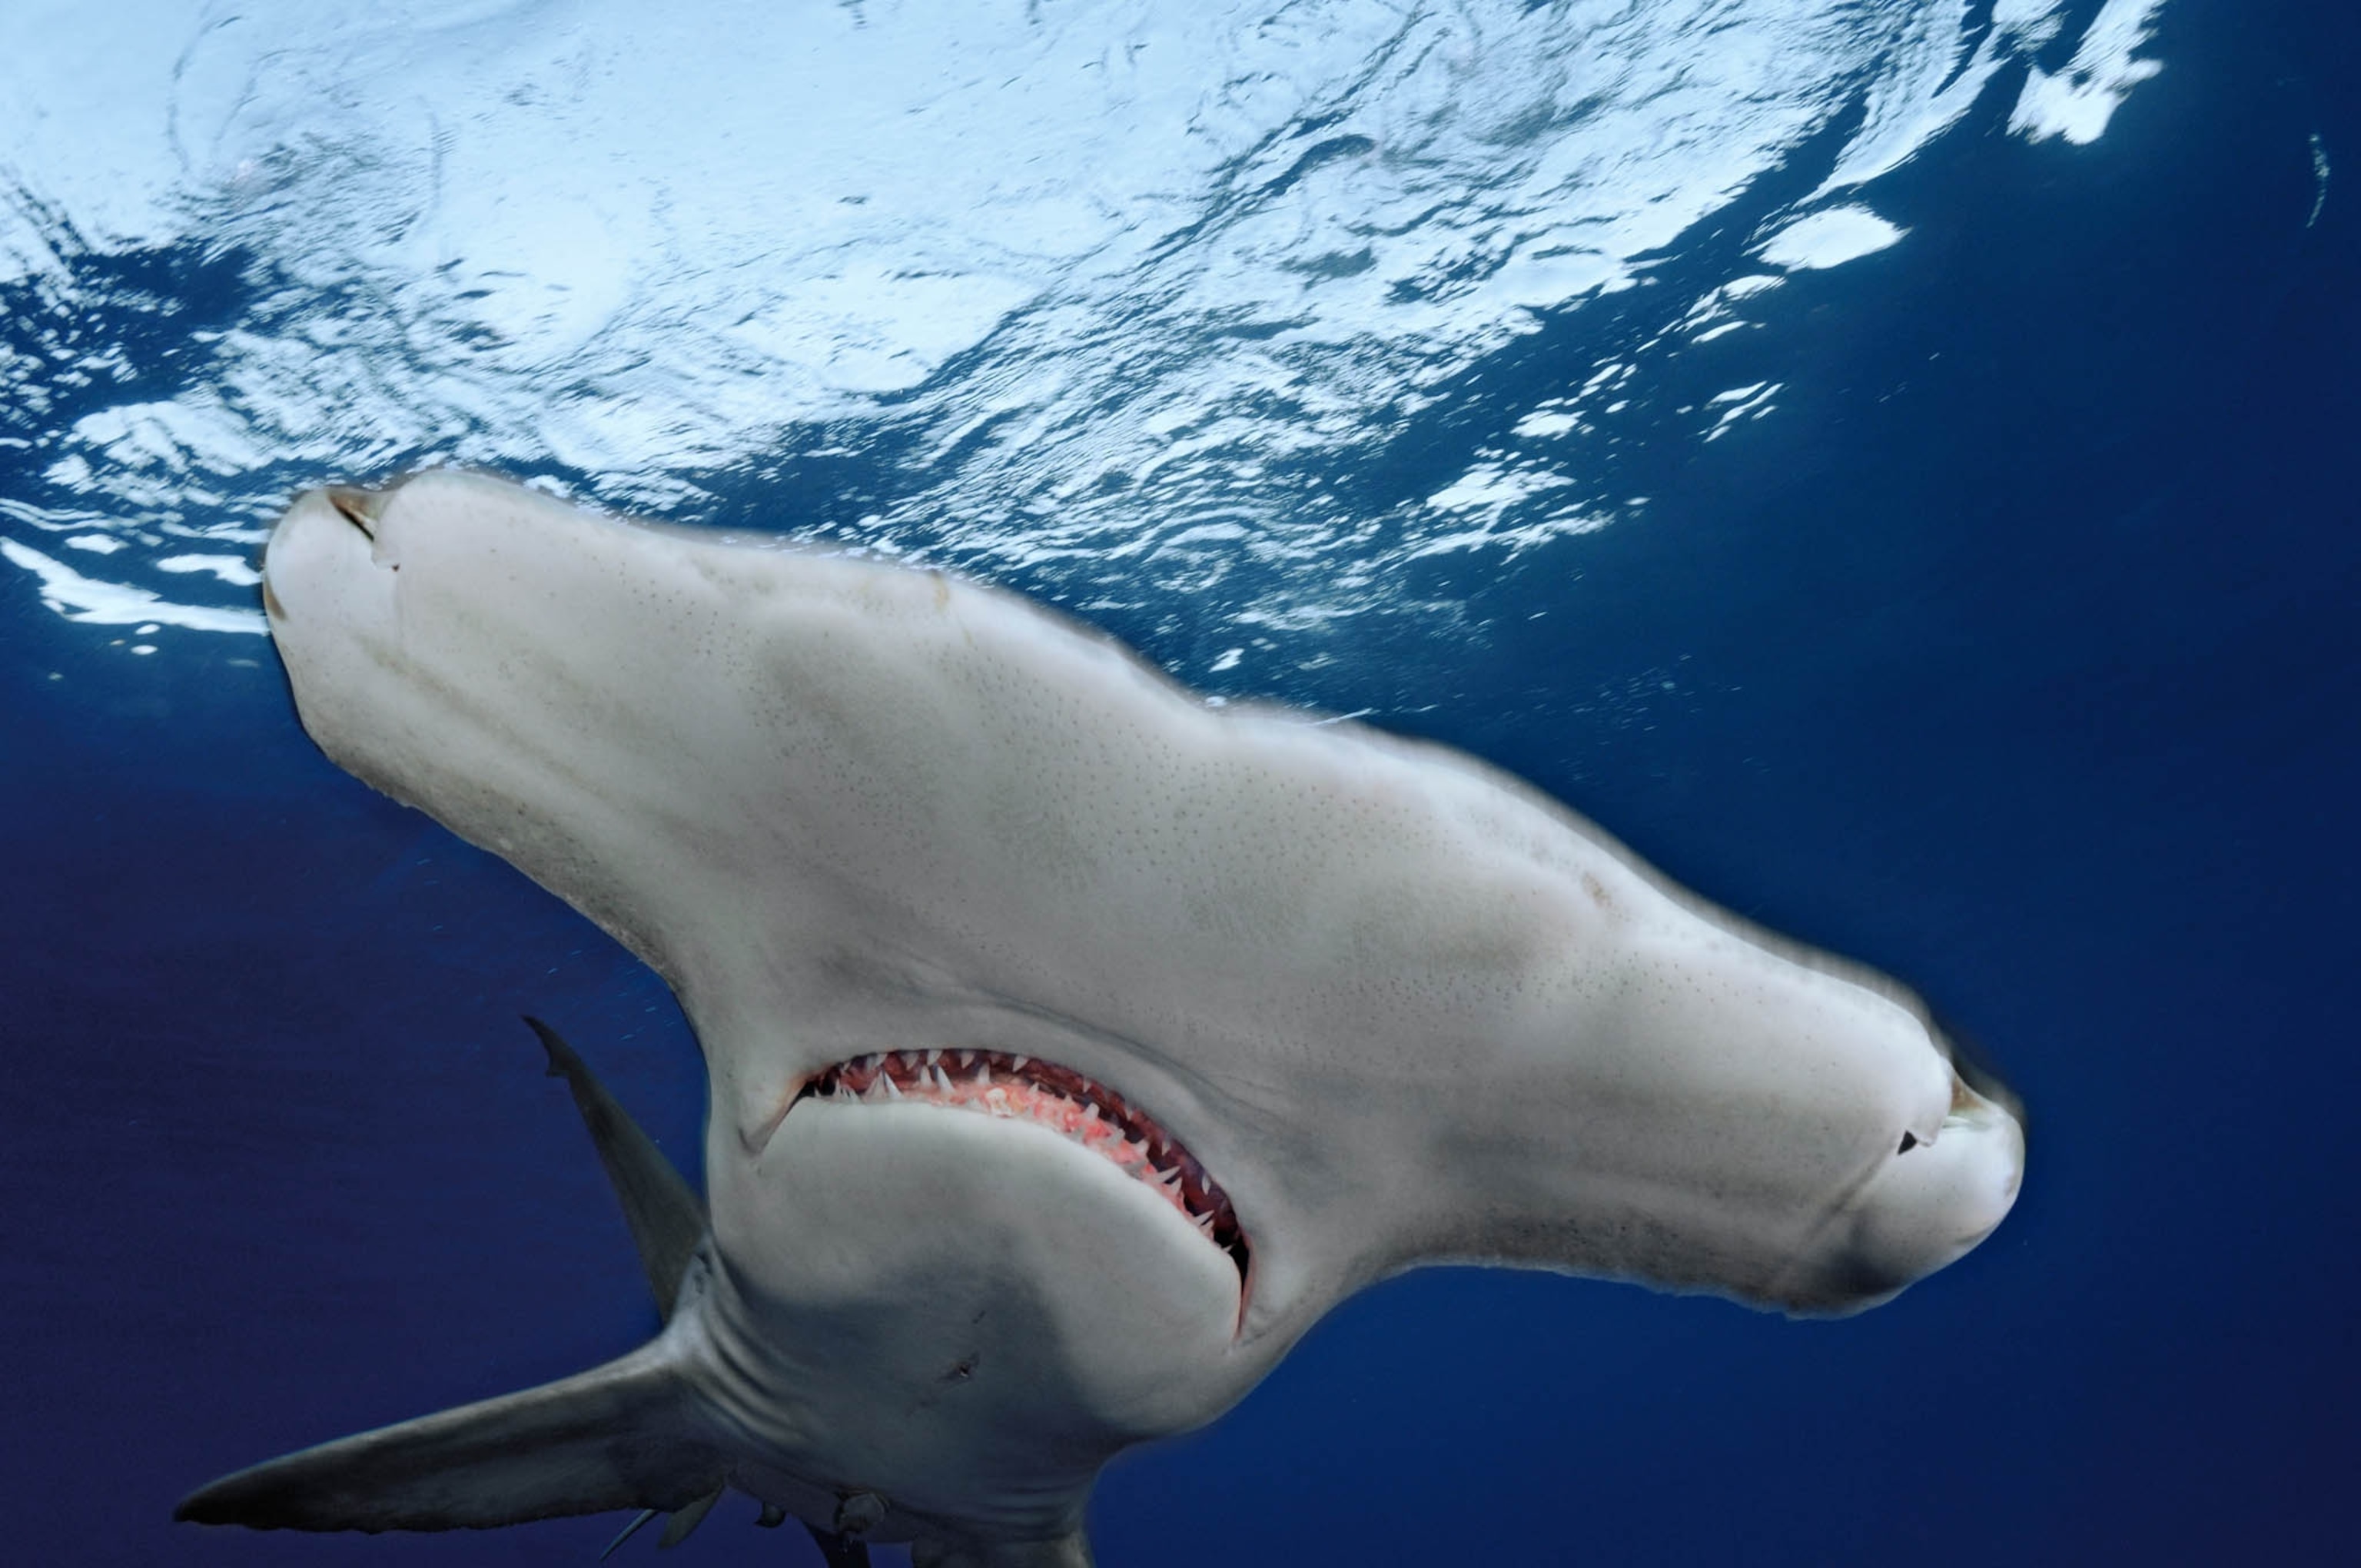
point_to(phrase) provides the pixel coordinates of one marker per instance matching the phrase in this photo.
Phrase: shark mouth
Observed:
(994, 1083)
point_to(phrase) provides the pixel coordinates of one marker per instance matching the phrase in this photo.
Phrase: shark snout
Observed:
(313, 549)
(1932, 1203)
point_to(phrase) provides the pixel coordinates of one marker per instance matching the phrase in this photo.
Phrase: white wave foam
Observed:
(2077, 103)
(1829, 237)
(98, 603)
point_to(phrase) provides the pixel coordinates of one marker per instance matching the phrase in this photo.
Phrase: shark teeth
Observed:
(1058, 1098)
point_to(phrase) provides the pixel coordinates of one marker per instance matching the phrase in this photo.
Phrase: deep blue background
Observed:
(2017, 654)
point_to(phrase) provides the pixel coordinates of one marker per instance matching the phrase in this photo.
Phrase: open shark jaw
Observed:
(994, 1084)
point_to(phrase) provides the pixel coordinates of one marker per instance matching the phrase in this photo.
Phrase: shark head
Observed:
(1076, 1044)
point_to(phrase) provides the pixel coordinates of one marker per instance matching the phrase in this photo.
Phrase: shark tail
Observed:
(624, 1435)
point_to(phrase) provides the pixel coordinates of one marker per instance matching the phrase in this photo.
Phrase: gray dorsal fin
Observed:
(666, 1219)
(619, 1436)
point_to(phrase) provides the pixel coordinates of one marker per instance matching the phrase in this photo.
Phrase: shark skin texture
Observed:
(1074, 1044)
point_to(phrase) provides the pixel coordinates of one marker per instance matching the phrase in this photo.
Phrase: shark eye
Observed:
(1909, 1141)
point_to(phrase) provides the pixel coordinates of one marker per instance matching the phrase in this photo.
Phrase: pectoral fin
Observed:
(683, 1523)
(619, 1436)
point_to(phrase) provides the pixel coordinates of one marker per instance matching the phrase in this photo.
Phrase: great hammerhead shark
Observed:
(1075, 1043)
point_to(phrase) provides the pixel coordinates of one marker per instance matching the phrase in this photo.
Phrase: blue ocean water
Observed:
(1885, 462)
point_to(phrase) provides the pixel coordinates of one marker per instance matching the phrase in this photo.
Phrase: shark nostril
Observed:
(358, 508)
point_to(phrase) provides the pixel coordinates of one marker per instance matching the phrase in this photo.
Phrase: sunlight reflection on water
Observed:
(1124, 299)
